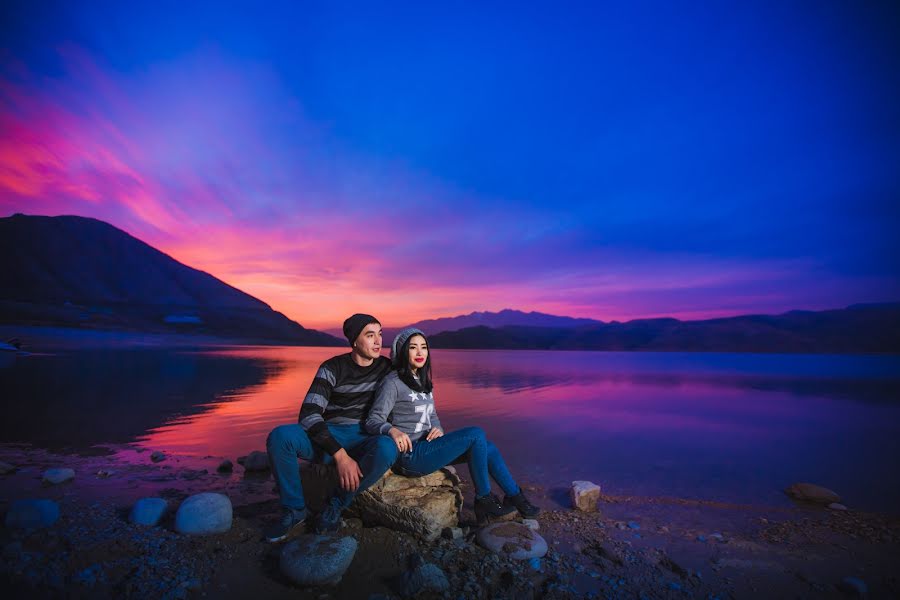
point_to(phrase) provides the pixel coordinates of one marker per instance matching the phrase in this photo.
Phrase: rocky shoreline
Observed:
(632, 547)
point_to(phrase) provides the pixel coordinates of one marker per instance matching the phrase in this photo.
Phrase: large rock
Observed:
(810, 492)
(32, 514)
(514, 540)
(585, 495)
(421, 506)
(255, 461)
(148, 511)
(56, 476)
(317, 559)
(204, 513)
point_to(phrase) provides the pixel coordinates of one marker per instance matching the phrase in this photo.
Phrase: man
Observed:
(330, 422)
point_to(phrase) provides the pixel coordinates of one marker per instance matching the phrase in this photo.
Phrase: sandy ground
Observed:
(633, 547)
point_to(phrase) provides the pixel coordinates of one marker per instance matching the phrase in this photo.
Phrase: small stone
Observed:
(226, 466)
(148, 511)
(452, 533)
(203, 514)
(837, 506)
(853, 587)
(717, 536)
(317, 560)
(157, 456)
(57, 476)
(531, 524)
(701, 538)
(424, 577)
(105, 474)
(514, 540)
(585, 495)
(810, 492)
(535, 564)
(633, 525)
(6, 468)
(32, 514)
(255, 461)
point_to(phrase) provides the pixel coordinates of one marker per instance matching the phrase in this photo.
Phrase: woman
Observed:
(405, 395)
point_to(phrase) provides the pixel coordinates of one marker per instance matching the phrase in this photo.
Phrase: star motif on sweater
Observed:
(413, 396)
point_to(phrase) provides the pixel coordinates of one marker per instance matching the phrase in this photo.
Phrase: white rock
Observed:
(585, 495)
(204, 513)
(513, 540)
(56, 476)
(317, 559)
(531, 524)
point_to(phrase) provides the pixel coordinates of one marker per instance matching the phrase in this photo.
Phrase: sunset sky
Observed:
(415, 161)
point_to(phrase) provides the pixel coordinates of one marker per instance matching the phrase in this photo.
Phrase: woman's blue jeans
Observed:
(467, 445)
(374, 453)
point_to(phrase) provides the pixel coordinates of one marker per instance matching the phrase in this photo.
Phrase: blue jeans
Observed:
(467, 445)
(374, 453)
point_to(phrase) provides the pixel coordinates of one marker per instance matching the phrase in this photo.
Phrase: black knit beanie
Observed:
(354, 325)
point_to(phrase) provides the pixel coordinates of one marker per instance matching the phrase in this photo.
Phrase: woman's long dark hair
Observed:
(423, 384)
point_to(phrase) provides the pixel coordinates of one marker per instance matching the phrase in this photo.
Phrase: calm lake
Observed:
(730, 427)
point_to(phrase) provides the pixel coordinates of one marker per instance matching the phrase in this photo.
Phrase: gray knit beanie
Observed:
(402, 336)
(354, 325)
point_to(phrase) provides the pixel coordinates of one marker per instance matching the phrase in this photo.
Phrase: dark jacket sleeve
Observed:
(313, 407)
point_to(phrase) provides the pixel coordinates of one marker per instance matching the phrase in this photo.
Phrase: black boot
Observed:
(521, 504)
(489, 507)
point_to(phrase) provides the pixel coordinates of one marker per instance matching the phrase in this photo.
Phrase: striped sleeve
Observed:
(313, 407)
(385, 398)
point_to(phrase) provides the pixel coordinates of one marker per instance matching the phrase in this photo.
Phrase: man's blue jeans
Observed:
(467, 445)
(374, 453)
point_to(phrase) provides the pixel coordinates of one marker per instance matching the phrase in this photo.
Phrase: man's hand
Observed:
(348, 470)
(434, 433)
(401, 439)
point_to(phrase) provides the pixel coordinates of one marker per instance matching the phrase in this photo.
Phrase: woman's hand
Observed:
(434, 433)
(401, 439)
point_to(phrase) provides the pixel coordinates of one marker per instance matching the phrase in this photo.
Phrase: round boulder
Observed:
(32, 514)
(317, 559)
(148, 511)
(514, 540)
(204, 513)
(55, 476)
(810, 492)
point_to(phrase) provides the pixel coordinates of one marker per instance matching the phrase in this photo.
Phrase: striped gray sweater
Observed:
(397, 405)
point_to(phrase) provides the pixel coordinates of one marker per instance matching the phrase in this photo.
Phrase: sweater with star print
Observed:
(397, 405)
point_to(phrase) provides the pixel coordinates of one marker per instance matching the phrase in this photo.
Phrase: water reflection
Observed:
(730, 427)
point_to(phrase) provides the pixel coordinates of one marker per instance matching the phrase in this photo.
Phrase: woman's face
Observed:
(418, 352)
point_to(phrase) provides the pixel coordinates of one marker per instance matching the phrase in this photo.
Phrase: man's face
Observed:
(368, 344)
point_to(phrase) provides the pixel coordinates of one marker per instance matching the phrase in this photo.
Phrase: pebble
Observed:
(148, 511)
(535, 564)
(633, 525)
(425, 577)
(452, 533)
(255, 461)
(6, 468)
(157, 456)
(57, 476)
(531, 524)
(226, 466)
(837, 506)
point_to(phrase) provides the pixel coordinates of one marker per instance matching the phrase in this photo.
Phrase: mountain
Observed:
(504, 318)
(77, 271)
(862, 328)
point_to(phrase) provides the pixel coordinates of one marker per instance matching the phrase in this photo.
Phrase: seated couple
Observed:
(367, 414)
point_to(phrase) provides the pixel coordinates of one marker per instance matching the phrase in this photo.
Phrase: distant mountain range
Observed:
(81, 272)
(862, 328)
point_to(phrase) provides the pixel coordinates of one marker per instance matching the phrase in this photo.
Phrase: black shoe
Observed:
(329, 519)
(489, 507)
(521, 504)
(291, 522)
